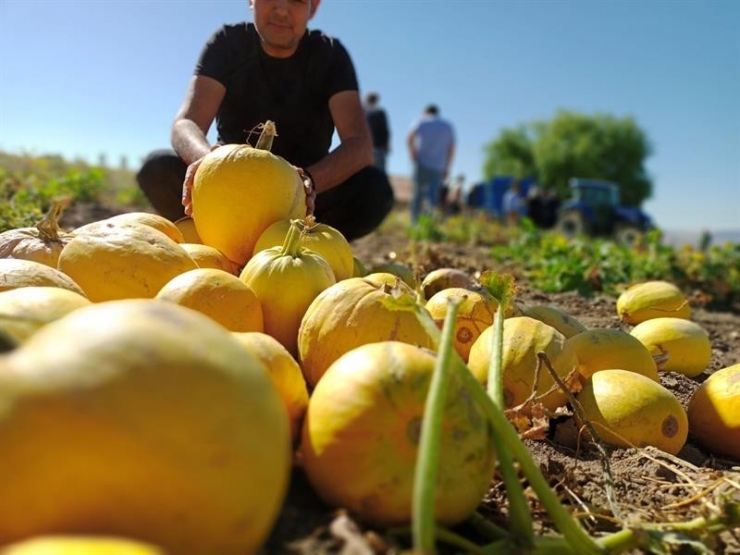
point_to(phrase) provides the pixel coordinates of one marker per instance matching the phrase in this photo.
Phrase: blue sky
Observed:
(88, 77)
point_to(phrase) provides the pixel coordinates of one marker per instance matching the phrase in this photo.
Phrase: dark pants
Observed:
(355, 207)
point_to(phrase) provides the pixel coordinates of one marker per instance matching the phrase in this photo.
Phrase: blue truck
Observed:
(593, 208)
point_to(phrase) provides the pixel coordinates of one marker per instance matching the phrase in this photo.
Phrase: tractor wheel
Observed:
(627, 234)
(571, 223)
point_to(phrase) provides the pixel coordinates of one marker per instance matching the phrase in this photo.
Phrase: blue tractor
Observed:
(595, 209)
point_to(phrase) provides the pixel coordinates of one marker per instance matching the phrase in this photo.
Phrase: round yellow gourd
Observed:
(285, 374)
(155, 221)
(15, 273)
(523, 338)
(80, 545)
(239, 191)
(27, 309)
(714, 413)
(628, 409)
(561, 321)
(40, 243)
(186, 225)
(219, 295)
(444, 278)
(125, 262)
(361, 437)
(475, 313)
(603, 349)
(208, 257)
(685, 344)
(398, 269)
(652, 299)
(286, 280)
(141, 419)
(355, 312)
(320, 238)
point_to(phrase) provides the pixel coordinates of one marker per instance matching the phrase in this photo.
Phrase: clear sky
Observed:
(87, 77)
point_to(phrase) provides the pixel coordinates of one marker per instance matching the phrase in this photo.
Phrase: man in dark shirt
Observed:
(378, 122)
(304, 81)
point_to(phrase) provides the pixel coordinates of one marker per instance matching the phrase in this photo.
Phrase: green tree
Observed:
(597, 146)
(512, 153)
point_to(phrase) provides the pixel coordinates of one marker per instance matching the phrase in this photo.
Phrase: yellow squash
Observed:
(80, 545)
(208, 257)
(685, 344)
(320, 238)
(155, 221)
(123, 262)
(604, 349)
(219, 295)
(15, 273)
(652, 299)
(286, 280)
(145, 420)
(475, 313)
(714, 413)
(355, 312)
(186, 225)
(41, 243)
(361, 437)
(523, 338)
(552, 316)
(628, 409)
(444, 278)
(239, 191)
(285, 374)
(27, 309)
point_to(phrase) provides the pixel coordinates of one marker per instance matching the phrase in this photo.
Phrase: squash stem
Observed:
(292, 243)
(269, 132)
(427, 464)
(49, 226)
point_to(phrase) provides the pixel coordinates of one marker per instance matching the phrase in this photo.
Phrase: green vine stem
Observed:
(292, 243)
(427, 464)
(510, 441)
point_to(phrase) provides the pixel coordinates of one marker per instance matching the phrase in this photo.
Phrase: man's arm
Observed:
(192, 122)
(355, 150)
(202, 101)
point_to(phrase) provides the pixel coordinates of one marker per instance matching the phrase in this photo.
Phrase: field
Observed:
(629, 487)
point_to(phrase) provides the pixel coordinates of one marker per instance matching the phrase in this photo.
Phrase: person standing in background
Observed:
(431, 143)
(377, 120)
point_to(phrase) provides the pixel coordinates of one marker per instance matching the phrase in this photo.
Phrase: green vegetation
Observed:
(30, 184)
(575, 145)
(552, 263)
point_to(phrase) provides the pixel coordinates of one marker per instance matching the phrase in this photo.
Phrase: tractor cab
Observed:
(595, 208)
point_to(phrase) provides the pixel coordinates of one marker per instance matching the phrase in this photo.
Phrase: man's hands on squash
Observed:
(187, 185)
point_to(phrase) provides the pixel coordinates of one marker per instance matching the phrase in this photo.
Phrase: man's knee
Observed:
(160, 178)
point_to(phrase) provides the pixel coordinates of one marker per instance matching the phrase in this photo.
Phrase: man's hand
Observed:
(310, 188)
(187, 185)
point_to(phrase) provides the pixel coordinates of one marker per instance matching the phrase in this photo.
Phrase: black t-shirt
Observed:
(293, 92)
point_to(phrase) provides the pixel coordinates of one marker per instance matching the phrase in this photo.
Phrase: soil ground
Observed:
(648, 485)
